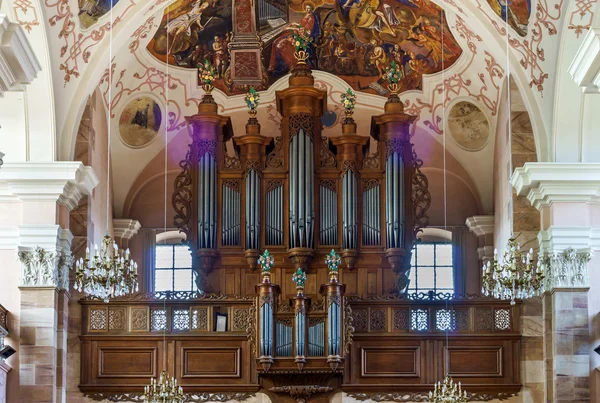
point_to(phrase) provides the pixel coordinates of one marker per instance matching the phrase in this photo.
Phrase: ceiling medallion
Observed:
(448, 392)
(164, 391)
(516, 276)
(107, 274)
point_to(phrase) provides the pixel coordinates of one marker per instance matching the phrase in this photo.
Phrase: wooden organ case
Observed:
(300, 195)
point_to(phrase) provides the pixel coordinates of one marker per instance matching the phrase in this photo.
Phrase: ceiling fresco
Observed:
(518, 13)
(353, 39)
(91, 10)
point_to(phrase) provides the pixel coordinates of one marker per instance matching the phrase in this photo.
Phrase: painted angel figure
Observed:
(184, 22)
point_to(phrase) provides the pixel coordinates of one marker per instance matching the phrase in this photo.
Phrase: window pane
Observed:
(183, 257)
(164, 257)
(413, 257)
(443, 255)
(426, 278)
(413, 279)
(183, 280)
(163, 280)
(444, 278)
(425, 255)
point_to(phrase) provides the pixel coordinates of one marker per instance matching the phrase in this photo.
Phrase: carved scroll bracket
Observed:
(301, 393)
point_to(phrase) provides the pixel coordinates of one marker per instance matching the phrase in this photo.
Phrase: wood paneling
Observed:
(384, 361)
(128, 362)
(211, 362)
(461, 362)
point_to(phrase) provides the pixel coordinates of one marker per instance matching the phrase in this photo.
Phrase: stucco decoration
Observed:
(38, 268)
(139, 122)
(468, 126)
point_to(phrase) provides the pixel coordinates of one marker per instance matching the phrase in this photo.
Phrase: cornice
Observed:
(557, 239)
(62, 181)
(481, 224)
(585, 68)
(125, 228)
(18, 63)
(544, 183)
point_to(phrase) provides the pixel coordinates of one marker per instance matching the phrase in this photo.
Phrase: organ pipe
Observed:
(274, 213)
(301, 191)
(207, 218)
(371, 218)
(328, 213)
(395, 217)
(230, 233)
(253, 191)
(350, 215)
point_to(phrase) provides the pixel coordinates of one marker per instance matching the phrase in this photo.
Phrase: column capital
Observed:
(544, 183)
(61, 181)
(481, 225)
(585, 68)
(18, 64)
(125, 228)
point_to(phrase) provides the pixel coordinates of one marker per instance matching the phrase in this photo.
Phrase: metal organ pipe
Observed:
(252, 210)
(230, 232)
(349, 195)
(371, 216)
(207, 185)
(274, 216)
(328, 216)
(301, 191)
(394, 201)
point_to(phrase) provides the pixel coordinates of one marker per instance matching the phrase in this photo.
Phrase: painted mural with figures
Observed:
(91, 10)
(353, 39)
(517, 12)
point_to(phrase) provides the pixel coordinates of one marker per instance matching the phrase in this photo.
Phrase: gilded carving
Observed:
(348, 327)
(372, 161)
(423, 397)
(116, 318)
(192, 397)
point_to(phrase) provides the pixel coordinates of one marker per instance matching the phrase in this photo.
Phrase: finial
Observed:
(252, 98)
(266, 261)
(333, 262)
(207, 73)
(299, 277)
(349, 103)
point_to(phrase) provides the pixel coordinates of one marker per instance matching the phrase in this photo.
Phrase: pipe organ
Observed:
(269, 11)
(310, 321)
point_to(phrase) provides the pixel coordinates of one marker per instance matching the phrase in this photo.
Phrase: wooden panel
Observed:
(372, 283)
(391, 362)
(460, 361)
(126, 362)
(311, 284)
(209, 362)
(350, 279)
(251, 280)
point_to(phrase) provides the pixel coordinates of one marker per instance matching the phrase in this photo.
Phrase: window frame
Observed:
(415, 289)
(173, 268)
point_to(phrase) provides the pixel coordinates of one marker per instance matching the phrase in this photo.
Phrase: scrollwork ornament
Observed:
(192, 397)
(348, 327)
(421, 197)
(372, 161)
(337, 298)
(326, 156)
(182, 197)
(207, 147)
(251, 327)
(266, 299)
(369, 184)
(394, 145)
(303, 122)
(275, 157)
(252, 165)
(349, 166)
(39, 268)
(233, 184)
(423, 397)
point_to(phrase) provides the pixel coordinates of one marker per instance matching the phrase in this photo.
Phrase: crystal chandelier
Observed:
(163, 391)
(106, 274)
(448, 392)
(515, 277)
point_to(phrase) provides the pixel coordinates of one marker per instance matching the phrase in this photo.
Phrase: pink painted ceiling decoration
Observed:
(355, 40)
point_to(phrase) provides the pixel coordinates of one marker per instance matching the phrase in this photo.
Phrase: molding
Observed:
(558, 239)
(423, 397)
(585, 68)
(64, 182)
(190, 397)
(485, 253)
(18, 63)
(544, 183)
(125, 228)
(481, 225)
(9, 237)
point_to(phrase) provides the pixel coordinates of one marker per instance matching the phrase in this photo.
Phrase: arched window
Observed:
(173, 264)
(432, 263)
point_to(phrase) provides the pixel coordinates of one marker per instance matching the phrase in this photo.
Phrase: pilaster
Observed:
(585, 68)
(41, 195)
(566, 194)
(483, 228)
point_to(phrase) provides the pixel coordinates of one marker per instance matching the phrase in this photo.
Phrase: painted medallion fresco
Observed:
(518, 12)
(139, 122)
(353, 39)
(91, 10)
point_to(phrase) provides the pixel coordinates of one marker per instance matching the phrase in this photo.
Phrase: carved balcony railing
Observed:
(129, 340)
(408, 343)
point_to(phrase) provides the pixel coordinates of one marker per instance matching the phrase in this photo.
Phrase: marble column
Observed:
(566, 196)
